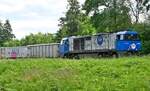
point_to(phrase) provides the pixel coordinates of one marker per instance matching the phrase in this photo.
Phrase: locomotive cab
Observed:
(64, 47)
(128, 41)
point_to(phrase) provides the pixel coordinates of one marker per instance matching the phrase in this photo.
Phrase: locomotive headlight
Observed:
(138, 43)
(133, 46)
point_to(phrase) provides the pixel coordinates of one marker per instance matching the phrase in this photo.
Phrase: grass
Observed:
(123, 74)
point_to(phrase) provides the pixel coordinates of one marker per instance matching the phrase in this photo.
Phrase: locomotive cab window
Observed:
(131, 37)
(119, 37)
(64, 41)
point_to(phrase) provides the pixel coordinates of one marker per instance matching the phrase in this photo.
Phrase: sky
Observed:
(33, 16)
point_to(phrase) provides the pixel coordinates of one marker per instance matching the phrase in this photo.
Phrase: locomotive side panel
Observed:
(100, 42)
(88, 44)
(80, 44)
(71, 44)
(95, 43)
(112, 41)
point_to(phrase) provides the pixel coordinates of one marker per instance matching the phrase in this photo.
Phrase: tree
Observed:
(146, 3)
(8, 30)
(62, 30)
(85, 26)
(74, 23)
(5, 32)
(12, 43)
(69, 25)
(72, 17)
(39, 38)
(138, 7)
(108, 15)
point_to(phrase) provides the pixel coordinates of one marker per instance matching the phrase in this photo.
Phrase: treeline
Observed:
(31, 39)
(96, 16)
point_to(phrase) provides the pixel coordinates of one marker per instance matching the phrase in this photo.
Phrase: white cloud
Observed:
(34, 24)
(25, 27)
(32, 16)
(9, 8)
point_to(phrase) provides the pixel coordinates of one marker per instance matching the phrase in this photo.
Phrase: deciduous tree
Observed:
(5, 32)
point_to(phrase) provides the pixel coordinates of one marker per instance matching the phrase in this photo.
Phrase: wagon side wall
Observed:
(44, 50)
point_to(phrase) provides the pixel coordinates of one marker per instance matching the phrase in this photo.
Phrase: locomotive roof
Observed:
(127, 32)
(85, 36)
(121, 32)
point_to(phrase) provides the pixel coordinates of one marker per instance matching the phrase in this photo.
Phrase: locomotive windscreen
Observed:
(131, 37)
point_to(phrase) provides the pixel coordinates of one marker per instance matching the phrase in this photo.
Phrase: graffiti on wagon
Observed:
(14, 52)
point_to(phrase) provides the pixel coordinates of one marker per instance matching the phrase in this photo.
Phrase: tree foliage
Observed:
(75, 22)
(146, 3)
(108, 15)
(31, 39)
(5, 32)
(37, 39)
(138, 7)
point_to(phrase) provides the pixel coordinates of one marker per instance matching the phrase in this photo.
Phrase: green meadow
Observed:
(105, 74)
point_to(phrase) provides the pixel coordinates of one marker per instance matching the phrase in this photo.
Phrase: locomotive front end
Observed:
(128, 41)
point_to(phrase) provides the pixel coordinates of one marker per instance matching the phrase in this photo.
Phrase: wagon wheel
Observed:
(76, 57)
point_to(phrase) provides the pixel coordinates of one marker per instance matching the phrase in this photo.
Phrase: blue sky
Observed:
(33, 16)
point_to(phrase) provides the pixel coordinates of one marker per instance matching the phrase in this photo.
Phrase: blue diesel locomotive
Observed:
(102, 44)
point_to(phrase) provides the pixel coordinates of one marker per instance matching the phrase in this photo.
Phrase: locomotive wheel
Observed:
(115, 55)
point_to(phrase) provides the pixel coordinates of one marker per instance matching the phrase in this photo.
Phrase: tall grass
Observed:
(123, 74)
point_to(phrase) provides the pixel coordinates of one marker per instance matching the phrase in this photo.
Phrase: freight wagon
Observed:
(44, 50)
(13, 52)
(31, 51)
(103, 44)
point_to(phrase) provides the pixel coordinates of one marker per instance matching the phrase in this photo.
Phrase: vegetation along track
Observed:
(127, 74)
